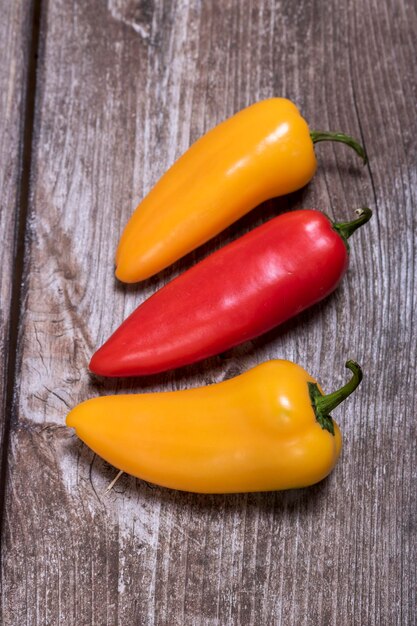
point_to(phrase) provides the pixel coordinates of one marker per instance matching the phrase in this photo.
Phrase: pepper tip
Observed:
(70, 420)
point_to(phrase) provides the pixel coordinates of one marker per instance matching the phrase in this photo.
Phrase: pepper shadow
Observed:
(209, 370)
(257, 216)
(260, 214)
(291, 501)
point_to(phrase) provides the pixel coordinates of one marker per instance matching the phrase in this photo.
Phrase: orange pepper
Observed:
(267, 429)
(264, 151)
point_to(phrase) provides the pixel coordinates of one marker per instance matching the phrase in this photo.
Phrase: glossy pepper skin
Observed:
(237, 293)
(264, 151)
(267, 429)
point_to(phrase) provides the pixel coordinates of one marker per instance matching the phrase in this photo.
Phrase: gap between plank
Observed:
(22, 210)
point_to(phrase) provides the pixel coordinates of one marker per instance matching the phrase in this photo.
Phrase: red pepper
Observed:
(237, 293)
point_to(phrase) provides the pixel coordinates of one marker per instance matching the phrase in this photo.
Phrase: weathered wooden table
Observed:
(97, 100)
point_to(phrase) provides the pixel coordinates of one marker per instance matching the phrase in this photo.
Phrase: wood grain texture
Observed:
(14, 32)
(123, 89)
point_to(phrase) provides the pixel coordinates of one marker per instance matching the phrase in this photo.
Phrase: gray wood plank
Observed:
(14, 33)
(124, 89)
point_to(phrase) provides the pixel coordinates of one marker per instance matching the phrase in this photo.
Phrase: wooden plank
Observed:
(14, 32)
(124, 89)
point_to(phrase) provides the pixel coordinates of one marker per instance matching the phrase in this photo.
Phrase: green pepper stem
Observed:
(326, 404)
(323, 405)
(346, 229)
(323, 135)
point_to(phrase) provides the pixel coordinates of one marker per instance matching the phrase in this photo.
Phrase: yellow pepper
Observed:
(267, 429)
(264, 151)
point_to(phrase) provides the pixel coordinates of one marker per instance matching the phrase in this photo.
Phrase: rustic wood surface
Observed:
(15, 28)
(118, 90)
